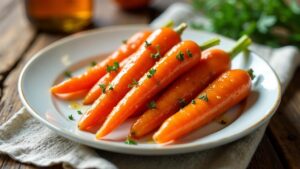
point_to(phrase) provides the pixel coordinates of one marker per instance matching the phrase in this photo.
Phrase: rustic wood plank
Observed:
(265, 156)
(16, 34)
(11, 103)
(284, 128)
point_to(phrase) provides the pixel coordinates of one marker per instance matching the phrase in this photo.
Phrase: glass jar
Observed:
(65, 16)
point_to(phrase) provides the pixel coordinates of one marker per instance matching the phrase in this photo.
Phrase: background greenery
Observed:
(270, 22)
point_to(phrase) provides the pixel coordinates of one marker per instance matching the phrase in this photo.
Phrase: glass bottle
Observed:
(65, 16)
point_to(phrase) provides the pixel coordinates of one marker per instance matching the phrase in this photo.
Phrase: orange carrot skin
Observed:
(140, 63)
(226, 91)
(96, 91)
(73, 96)
(213, 62)
(167, 70)
(89, 78)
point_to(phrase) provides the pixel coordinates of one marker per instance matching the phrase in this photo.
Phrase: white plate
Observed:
(45, 68)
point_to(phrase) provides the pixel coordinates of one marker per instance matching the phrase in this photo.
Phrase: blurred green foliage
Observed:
(269, 22)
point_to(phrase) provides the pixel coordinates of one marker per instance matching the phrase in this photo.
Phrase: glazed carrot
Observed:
(177, 61)
(97, 89)
(89, 78)
(73, 96)
(213, 62)
(226, 91)
(156, 45)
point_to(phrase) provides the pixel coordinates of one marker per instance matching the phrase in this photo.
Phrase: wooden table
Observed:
(280, 147)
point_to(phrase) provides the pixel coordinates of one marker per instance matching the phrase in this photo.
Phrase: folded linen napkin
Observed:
(27, 140)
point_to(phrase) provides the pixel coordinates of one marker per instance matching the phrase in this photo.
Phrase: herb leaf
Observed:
(152, 105)
(79, 112)
(182, 102)
(115, 67)
(155, 55)
(189, 53)
(71, 117)
(130, 141)
(133, 83)
(203, 97)
(68, 74)
(93, 63)
(193, 101)
(103, 87)
(110, 87)
(147, 44)
(251, 73)
(151, 73)
(180, 56)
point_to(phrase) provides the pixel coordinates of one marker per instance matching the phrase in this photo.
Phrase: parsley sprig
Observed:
(203, 97)
(115, 67)
(180, 56)
(130, 141)
(152, 105)
(151, 73)
(133, 83)
(103, 87)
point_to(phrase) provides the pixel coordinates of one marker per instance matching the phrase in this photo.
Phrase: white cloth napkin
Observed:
(25, 139)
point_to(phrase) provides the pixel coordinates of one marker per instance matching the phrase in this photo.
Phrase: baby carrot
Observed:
(213, 63)
(226, 91)
(89, 78)
(177, 61)
(156, 45)
(73, 96)
(103, 84)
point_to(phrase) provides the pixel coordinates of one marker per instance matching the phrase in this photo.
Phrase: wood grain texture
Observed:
(20, 41)
(284, 129)
(11, 102)
(16, 33)
(265, 156)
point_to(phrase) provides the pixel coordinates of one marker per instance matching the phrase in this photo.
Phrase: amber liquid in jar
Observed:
(65, 16)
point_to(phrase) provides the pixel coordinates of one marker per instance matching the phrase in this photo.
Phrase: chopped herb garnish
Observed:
(251, 73)
(115, 67)
(103, 87)
(203, 97)
(110, 87)
(124, 41)
(181, 102)
(68, 74)
(189, 53)
(152, 105)
(130, 141)
(147, 44)
(155, 55)
(79, 112)
(71, 117)
(193, 101)
(133, 83)
(93, 63)
(151, 73)
(180, 56)
(223, 122)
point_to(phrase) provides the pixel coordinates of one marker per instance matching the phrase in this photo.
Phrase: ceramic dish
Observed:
(75, 53)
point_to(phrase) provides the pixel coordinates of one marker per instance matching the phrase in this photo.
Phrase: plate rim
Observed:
(127, 149)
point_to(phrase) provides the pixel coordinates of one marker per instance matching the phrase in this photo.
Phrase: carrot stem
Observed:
(243, 43)
(169, 24)
(210, 43)
(180, 28)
